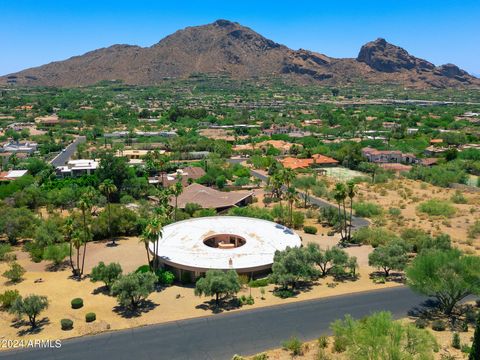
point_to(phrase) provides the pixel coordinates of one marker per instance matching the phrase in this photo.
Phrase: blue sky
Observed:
(33, 33)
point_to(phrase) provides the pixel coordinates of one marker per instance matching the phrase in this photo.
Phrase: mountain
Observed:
(227, 48)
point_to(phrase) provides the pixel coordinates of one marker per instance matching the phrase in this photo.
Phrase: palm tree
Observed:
(291, 194)
(153, 232)
(107, 187)
(351, 191)
(68, 230)
(287, 175)
(340, 194)
(84, 204)
(77, 242)
(177, 190)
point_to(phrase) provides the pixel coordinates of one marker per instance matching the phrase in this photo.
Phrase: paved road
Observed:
(63, 157)
(221, 336)
(357, 222)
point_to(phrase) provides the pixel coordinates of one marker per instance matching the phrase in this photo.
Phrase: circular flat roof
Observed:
(182, 244)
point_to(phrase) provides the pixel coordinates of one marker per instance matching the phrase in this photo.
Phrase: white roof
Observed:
(182, 243)
(16, 173)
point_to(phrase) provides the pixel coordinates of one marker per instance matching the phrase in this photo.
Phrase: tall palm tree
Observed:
(177, 190)
(288, 176)
(107, 187)
(351, 191)
(77, 242)
(153, 232)
(85, 205)
(68, 230)
(340, 194)
(291, 194)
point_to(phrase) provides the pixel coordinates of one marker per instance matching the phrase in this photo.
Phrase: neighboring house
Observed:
(12, 175)
(185, 176)
(316, 160)
(281, 129)
(388, 156)
(435, 151)
(75, 168)
(27, 147)
(209, 198)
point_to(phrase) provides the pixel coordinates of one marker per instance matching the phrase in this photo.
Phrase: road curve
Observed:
(221, 336)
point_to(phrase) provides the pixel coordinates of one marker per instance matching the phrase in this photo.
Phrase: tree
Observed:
(292, 265)
(56, 253)
(31, 306)
(85, 205)
(177, 190)
(378, 336)
(106, 273)
(351, 192)
(475, 350)
(152, 234)
(218, 282)
(340, 195)
(15, 273)
(333, 259)
(291, 195)
(107, 187)
(17, 223)
(449, 276)
(133, 288)
(391, 256)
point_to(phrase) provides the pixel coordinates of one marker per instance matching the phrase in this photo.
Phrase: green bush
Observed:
(421, 323)
(90, 317)
(436, 207)
(284, 293)
(438, 325)
(474, 230)
(294, 345)
(261, 356)
(165, 277)
(66, 324)
(259, 282)
(4, 250)
(8, 298)
(395, 212)
(458, 198)
(77, 303)
(456, 341)
(367, 209)
(15, 272)
(322, 342)
(143, 269)
(310, 229)
(246, 300)
(373, 236)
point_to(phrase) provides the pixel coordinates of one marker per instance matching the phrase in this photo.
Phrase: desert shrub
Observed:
(294, 345)
(339, 344)
(132, 289)
(4, 250)
(322, 342)
(329, 216)
(66, 324)
(322, 355)
(367, 209)
(15, 272)
(77, 303)
(251, 211)
(56, 253)
(395, 212)
(90, 317)
(143, 269)
(458, 198)
(421, 323)
(474, 229)
(238, 357)
(261, 356)
(373, 236)
(298, 218)
(246, 300)
(436, 207)
(8, 298)
(259, 282)
(310, 229)
(456, 341)
(438, 325)
(165, 277)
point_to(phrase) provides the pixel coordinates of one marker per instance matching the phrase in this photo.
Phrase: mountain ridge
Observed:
(225, 47)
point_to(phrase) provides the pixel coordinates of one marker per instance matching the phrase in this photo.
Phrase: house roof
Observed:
(320, 159)
(294, 163)
(209, 198)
